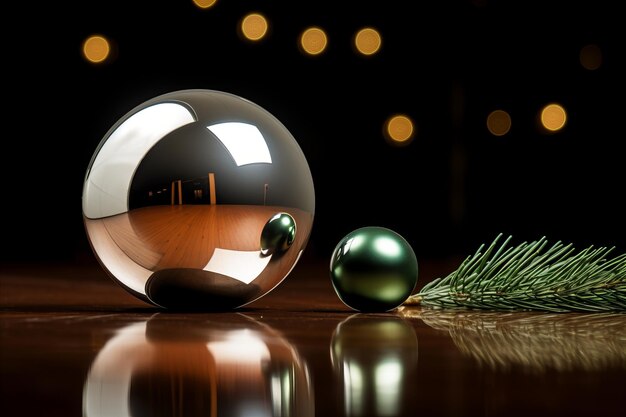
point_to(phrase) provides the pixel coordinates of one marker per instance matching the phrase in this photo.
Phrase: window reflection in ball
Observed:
(177, 195)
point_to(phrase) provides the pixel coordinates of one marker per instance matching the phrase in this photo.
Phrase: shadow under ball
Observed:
(178, 193)
(373, 269)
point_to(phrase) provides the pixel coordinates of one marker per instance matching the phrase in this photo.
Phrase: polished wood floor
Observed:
(73, 343)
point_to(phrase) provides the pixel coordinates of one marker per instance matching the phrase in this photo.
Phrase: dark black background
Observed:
(446, 64)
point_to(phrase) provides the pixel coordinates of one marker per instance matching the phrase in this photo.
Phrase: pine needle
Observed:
(531, 276)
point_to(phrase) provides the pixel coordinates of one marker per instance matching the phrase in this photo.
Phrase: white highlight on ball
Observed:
(244, 266)
(244, 142)
(107, 184)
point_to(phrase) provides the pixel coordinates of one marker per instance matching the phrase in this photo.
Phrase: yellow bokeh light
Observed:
(96, 49)
(399, 129)
(313, 41)
(590, 57)
(254, 26)
(499, 122)
(367, 41)
(204, 4)
(553, 117)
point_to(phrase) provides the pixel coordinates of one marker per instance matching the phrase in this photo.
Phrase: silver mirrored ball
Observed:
(179, 191)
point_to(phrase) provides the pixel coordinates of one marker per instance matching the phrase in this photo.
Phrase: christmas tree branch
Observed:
(531, 276)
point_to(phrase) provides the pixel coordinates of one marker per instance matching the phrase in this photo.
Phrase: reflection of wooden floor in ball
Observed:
(161, 237)
(186, 237)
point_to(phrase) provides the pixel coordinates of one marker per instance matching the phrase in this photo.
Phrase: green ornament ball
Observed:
(278, 234)
(373, 269)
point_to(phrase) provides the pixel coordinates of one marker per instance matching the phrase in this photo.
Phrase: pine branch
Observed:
(531, 276)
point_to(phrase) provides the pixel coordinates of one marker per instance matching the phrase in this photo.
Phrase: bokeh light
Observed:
(96, 49)
(499, 122)
(553, 117)
(367, 41)
(254, 27)
(590, 57)
(399, 129)
(205, 4)
(313, 41)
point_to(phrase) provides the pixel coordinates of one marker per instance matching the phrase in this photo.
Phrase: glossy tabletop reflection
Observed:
(73, 343)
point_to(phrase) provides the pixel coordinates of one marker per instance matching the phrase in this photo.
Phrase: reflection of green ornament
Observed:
(373, 269)
(278, 234)
(374, 361)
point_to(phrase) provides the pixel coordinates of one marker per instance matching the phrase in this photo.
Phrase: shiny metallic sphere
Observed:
(178, 193)
(373, 269)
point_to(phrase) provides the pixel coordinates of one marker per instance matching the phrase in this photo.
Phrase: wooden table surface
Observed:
(74, 343)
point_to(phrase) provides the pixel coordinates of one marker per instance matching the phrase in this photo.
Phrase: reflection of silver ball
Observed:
(192, 366)
(178, 192)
